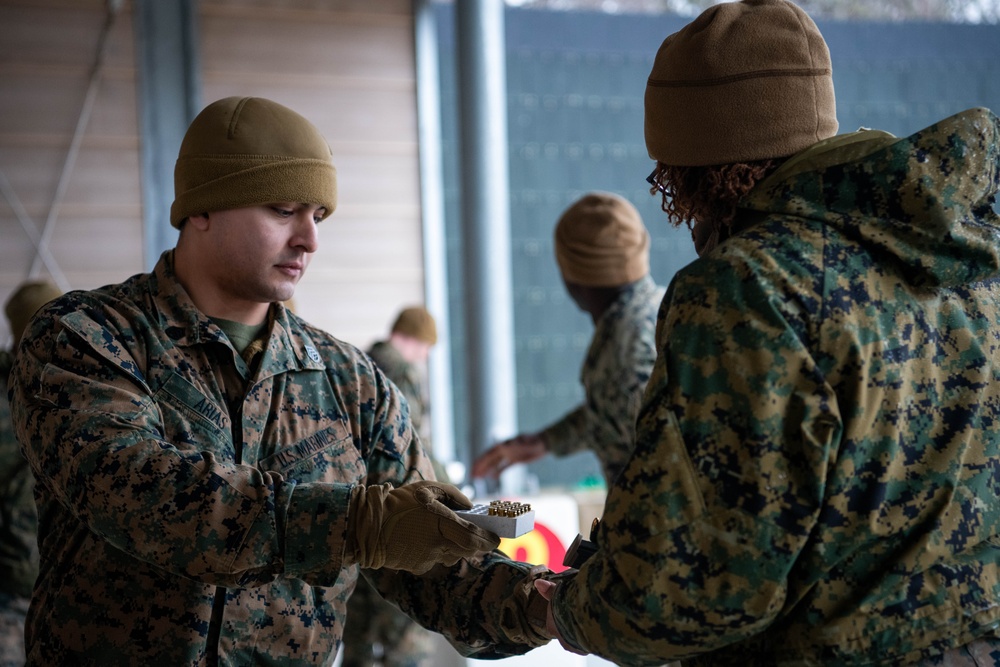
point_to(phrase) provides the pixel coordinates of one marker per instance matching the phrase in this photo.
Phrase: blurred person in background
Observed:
(18, 517)
(377, 633)
(602, 248)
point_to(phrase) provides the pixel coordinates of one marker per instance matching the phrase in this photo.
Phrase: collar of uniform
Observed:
(640, 289)
(289, 345)
(179, 317)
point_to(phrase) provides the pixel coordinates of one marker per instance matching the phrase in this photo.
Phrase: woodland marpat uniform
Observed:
(817, 469)
(133, 376)
(18, 527)
(18, 517)
(405, 376)
(18, 521)
(372, 620)
(614, 374)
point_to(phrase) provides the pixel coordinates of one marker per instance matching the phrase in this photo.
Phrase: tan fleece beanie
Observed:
(25, 302)
(600, 241)
(418, 323)
(744, 81)
(247, 151)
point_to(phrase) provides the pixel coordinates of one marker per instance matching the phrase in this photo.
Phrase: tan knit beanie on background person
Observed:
(25, 302)
(744, 81)
(600, 241)
(247, 151)
(418, 323)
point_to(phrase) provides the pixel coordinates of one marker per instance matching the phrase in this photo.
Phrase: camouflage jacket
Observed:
(406, 376)
(614, 374)
(18, 519)
(193, 514)
(817, 463)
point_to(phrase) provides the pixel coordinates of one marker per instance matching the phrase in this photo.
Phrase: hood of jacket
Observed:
(925, 202)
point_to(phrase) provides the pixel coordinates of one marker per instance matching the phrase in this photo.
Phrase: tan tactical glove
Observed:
(411, 528)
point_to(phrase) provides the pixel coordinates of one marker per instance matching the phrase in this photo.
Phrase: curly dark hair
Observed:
(708, 194)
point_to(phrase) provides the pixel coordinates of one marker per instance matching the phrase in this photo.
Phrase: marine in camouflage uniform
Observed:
(407, 377)
(602, 248)
(816, 479)
(18, 517)
(199, 505)
(376, 633)
(18, 527)
(613, 375)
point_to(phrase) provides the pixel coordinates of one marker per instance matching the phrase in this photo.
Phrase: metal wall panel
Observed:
(575, 114)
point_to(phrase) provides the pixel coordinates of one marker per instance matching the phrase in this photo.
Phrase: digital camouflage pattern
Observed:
(817, 464)
(18, 531)
(13, 610)
(375, 631)
(193, 514)
(979, 653)
(614, 374)
(407, 377)
(18, 519)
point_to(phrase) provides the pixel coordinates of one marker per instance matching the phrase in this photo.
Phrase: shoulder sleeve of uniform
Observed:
(391, 447)
(570, 433)
(481, 605)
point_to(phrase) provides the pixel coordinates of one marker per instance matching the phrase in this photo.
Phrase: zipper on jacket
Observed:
(221, 592)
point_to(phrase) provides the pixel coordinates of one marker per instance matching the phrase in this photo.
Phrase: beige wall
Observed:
(347, 65)
(47, 49)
